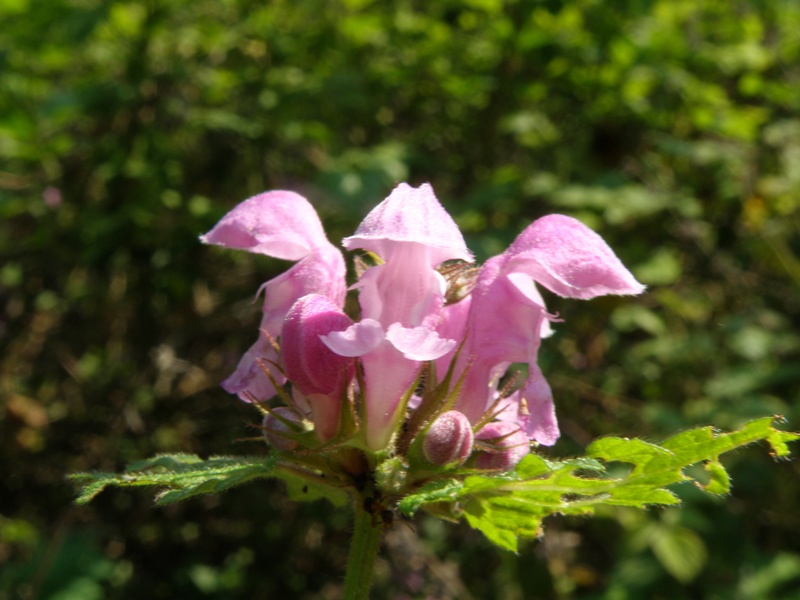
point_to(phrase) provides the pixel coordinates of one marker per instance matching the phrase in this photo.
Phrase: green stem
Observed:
(363, 551)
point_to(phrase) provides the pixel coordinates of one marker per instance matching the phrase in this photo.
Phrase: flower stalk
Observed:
(367, 534)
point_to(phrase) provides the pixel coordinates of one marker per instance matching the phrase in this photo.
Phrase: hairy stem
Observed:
(363, 551)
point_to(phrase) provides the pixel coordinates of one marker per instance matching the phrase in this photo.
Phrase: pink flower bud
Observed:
(317, 372)
(509, 446)
(275, 429)
(449, 439)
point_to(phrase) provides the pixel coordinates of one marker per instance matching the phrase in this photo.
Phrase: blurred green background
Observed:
(127, 129)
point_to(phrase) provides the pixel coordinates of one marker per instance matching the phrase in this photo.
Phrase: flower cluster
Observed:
(421, 373)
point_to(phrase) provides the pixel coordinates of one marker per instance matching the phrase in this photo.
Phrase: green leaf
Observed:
(302, 488)
(180, 475)
(512, 506)
(441, 490)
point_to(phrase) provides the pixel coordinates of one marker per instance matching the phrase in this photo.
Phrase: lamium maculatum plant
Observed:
(415, 402)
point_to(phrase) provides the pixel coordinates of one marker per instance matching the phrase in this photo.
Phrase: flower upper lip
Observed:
(411, 215)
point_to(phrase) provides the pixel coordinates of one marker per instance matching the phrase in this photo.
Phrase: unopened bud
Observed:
(506, 444)
(448, 440)
(277, 430)
(320, 374)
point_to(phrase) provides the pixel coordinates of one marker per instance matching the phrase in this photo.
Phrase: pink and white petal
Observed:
(504, 325)
(530, 295)
(388, 377)
(357, 340)
(410, 215)
(418, 343)
(320, 272)
(403, 290)
(325, 412)
(541, 425)
(570, 259)
(452, 325)
(477, 389)
(510, 446)
(507, 409)
(280, 223)
(249, 381)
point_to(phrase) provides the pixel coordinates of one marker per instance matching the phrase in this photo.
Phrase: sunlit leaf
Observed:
(509, 507)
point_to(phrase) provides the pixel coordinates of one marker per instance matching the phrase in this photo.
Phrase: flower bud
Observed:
(448, 440)
(508, 445)
(317, 372)
(276, 428)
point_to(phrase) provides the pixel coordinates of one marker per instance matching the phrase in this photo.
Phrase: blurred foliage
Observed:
(128, 128)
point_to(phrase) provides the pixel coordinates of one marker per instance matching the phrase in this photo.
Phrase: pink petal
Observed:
(279, 223)
(507, 409)
(388, 376)
(404, 290)
(569, 259)
(511, 446)
(321, 272)
(418, 343)
(530, 295)
(411, 215)
(504, 326)
(309, 363)
(531, 408)
(452, 325)
(249, 380)
(540, 423)
(357, 340)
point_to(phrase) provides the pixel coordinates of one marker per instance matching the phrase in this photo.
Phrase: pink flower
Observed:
(283, 225)
(401, 301)
(412, 315)
(507, 316)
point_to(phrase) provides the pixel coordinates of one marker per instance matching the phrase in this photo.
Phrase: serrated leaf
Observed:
(511, 506)
(481, 516)
(180, 475)
(442, 490)
(177, 461)
(719, 481)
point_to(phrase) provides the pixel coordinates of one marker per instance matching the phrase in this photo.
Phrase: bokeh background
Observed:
(672, 127)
